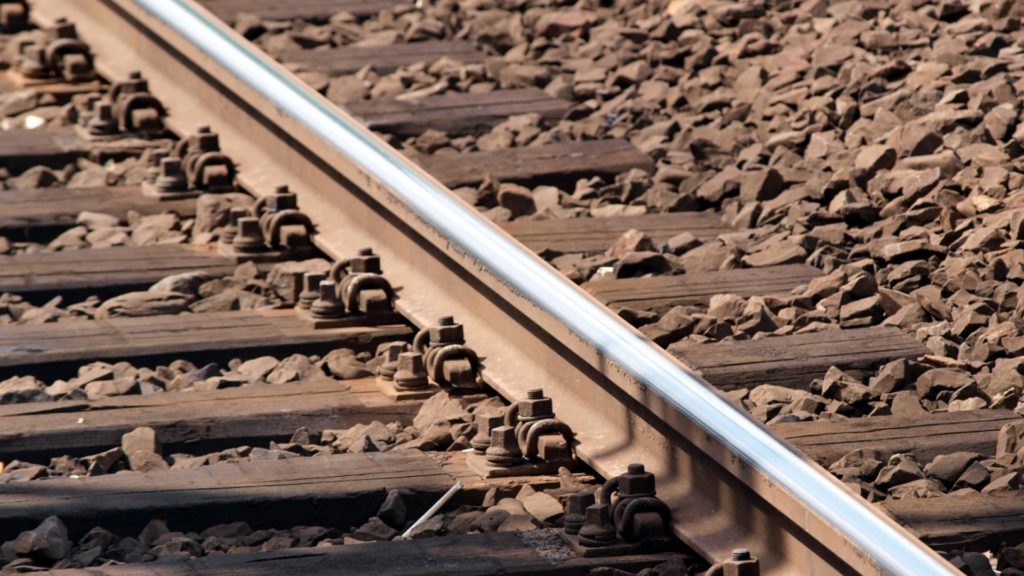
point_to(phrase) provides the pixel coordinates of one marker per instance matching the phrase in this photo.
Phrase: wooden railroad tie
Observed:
(47, 210)
(315, 10)
(196, 420)
(592, 235)
(455, 113)
(67, 343)
(795, 360)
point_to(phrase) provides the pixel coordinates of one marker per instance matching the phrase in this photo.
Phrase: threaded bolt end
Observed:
(535, 394)
(740, 554)
(635, 469)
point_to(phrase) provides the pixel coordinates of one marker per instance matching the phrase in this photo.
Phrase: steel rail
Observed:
(728, 480)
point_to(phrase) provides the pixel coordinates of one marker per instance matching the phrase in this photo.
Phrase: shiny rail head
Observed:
(890, 550)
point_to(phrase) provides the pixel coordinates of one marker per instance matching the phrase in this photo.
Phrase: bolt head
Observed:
(505, 437)
(392, 350)
(170, 166)
(579, 502)
(249, 236)
(504, 448)
(636, 484)
(411, 362)
(535, 409)
(207, 142)
(447, 334)
(282, 201)
(365, 264)
(410, 373)
(311, 281)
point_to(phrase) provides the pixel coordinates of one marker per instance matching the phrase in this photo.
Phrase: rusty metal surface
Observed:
(719, 500)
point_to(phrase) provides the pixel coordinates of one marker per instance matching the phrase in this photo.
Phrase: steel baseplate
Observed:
(59, 88)
(349, 320)
(388, 388)
(619, 548)
(478, 463)
(298, 253)
(150, 189)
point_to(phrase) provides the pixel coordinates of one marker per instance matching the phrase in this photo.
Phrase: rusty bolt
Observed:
(504, 449)
(64, 29)
(153, 159)
(230, 231)
(485, 424)
(76, 68)
(536, 406)
(741, 563)
(597, 529)
(636, 482)
(310, 289)
(576, 511)
(206, 141)
(33, 62)
(102, 122)
(282, 199)
(135, 84)
(327, 305)
(249, 237)
(171, 177)
(82, 109)
(411, 373)
(446, 331)
(365, 262)
(389, 354)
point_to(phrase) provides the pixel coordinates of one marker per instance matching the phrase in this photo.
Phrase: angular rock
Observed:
(47, 542)
(137, 304)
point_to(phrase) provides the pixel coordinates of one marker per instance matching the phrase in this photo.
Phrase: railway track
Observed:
(835, 353)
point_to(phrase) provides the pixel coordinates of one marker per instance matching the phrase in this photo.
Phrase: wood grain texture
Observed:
(794, 361)
(54, 208)
(456, 113)
(973, 522)
(123, 338)
(597, 234)
(21, 149)
(384, 59)
(338, 490)
(562, 163)
(471, 555)
(659, 293)
(195, 421)
(825, 441)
